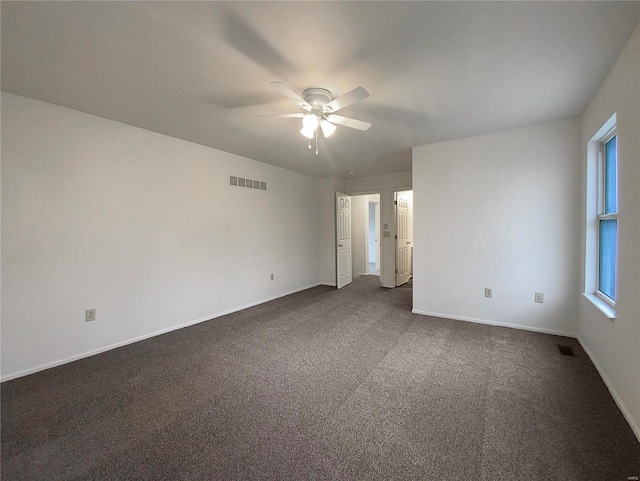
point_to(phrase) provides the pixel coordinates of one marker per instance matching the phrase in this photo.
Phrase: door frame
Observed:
(380, 223)
(378, 234)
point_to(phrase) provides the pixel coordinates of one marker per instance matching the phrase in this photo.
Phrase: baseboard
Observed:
(126, 342)
(495, 323)
(330, 284)
(625, 412)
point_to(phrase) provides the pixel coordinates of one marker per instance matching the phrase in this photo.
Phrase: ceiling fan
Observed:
(320, 109)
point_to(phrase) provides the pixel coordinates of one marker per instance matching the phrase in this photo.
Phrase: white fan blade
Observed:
(282, 88)
(347, 122)
(356, 95)
(284, 116)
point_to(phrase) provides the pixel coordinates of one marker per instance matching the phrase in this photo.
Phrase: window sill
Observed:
(602, 306)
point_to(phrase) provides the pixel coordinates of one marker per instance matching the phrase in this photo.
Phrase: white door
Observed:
(403, 247)
(343, 239)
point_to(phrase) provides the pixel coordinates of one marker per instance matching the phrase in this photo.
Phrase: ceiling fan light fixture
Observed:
(308, 132)
(327, 127)
(320, 109)
(310, 121)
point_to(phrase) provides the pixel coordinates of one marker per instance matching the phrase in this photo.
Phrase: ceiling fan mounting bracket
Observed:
(316, 97)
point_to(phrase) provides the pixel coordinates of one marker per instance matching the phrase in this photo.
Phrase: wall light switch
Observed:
(488, 292)
(272, 276)
(90, 315)
(539, 298)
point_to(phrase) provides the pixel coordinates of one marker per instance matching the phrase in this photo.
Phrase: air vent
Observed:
(566, 350)
(236, 181)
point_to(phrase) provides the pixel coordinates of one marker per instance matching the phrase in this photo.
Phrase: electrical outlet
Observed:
(488, 292)
(539, 297)
(90, 315)
(272, 277)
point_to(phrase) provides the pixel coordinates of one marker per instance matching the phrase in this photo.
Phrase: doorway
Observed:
(373, 237)
(365, 233)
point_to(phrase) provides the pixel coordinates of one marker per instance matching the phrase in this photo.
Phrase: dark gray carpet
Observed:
(322, 385)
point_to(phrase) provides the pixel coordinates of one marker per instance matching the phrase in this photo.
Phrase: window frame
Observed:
(601, 215)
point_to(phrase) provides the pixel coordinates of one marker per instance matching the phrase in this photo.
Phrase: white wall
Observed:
(614, 345)
(386, 185)
(141, 226)
(501, 211)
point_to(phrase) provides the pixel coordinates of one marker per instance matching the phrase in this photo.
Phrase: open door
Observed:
(403, 244)
(343, 240)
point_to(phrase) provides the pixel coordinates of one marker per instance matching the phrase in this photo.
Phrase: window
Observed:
(607, 218)
(602, 224)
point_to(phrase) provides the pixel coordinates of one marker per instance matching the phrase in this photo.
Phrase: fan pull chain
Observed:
(316, 140)
(309, 143)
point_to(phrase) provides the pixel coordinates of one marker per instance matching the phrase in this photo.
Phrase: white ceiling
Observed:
(200, 71)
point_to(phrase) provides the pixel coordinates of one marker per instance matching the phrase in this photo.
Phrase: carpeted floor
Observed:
(322, 385)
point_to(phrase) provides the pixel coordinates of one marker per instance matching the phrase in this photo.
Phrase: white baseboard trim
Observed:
(126, 342)
(495, 323)
(625, 412)
(330, 284)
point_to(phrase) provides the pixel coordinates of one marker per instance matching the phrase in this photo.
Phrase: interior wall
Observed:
(386, 185)
(614, 345)
(140, 226)
(500, 211)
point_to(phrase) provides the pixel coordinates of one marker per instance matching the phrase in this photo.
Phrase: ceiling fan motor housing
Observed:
(317, 98)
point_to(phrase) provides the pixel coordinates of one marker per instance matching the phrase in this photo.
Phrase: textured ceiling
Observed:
(200, 71)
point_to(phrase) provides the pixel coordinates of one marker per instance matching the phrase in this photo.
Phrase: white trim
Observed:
(495, 323)
(604, 307)
(93, 352)
(366, 192)
(595, 200)
(330, 284)
(625, 412)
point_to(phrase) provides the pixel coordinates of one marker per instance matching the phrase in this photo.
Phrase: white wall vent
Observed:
(236, 181)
